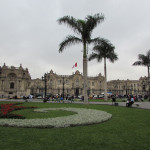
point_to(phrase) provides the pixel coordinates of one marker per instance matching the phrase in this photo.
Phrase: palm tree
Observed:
(84, 29)
(104, 50)
(144, 60)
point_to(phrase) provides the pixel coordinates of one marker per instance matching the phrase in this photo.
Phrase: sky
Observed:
(30, 35)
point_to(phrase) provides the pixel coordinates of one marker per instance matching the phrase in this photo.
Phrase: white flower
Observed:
(83, 117)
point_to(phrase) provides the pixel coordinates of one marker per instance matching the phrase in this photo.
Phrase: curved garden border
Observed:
(83, 117)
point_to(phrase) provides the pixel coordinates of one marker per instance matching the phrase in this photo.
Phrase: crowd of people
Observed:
(59, 98)
(130, 101)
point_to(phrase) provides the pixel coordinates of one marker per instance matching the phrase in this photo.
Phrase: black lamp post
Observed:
(45, 81)
(131, 89)
(63, 87)
(143, 84)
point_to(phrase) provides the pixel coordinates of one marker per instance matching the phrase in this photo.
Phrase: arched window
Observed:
(51, 81)
(77, 82)
(12, 85)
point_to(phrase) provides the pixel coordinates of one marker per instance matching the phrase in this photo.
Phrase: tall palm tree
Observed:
(144, 60)
(104, 50)
(84, 29)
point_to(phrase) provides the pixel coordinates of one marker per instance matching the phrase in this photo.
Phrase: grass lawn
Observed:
(129, 129)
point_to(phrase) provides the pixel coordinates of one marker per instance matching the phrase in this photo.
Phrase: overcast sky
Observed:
(30, 35)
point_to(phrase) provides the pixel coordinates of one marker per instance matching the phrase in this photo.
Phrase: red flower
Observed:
(7, 108)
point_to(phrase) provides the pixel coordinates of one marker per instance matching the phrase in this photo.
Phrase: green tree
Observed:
(83, 28)
(144, 60)
(104, 50)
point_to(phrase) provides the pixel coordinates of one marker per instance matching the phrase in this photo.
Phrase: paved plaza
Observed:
(141, 105)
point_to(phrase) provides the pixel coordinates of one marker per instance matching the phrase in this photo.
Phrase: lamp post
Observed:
(63, 87)
(143, 87)
(131, 89)
(45, 81)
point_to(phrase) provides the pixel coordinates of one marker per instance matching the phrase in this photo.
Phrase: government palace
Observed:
(16, 81)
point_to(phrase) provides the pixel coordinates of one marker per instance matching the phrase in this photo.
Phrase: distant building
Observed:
(14, 81)
(17, 82)
(73, 84)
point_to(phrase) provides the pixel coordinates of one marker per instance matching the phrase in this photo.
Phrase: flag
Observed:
(75, 65)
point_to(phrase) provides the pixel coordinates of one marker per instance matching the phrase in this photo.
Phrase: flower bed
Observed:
(6, 109)
(83, 117)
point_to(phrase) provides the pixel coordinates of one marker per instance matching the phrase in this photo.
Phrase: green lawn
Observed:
(129, 129)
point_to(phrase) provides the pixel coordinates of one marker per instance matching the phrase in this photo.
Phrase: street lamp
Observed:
(63, 87)
(131, 89)
(45, 81)
(143, 87)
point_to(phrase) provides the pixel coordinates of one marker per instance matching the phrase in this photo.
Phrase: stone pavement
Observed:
(142, 105)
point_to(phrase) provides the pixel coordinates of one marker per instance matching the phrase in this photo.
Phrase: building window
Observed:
(72, 85)
(67, 81)
(51, 82)
(92, 83)
(59, 82)
(11, 85)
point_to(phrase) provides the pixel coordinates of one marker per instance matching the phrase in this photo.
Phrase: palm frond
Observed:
(137, 63)
(144, 60)
(148, 53)
(142, 57)
(71, 22)
(105, 50)
(96, 40)
(90, 23)
(93, 21)
(95, 56)
(113, 57)
(70, 40)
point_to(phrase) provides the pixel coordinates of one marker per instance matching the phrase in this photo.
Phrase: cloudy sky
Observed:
(30, 35)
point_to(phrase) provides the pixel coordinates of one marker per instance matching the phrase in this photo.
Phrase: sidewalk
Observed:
(142, 105)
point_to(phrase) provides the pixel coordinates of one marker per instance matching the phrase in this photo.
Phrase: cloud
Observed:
(30, 35)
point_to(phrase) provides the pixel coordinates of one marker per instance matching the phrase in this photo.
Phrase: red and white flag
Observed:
(75, 65)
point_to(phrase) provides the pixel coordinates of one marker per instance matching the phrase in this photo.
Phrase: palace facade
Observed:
(16, 81)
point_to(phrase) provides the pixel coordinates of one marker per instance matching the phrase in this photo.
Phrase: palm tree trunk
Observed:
(105, 82)
(85, 74)
(85, 80)
(148, 82)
